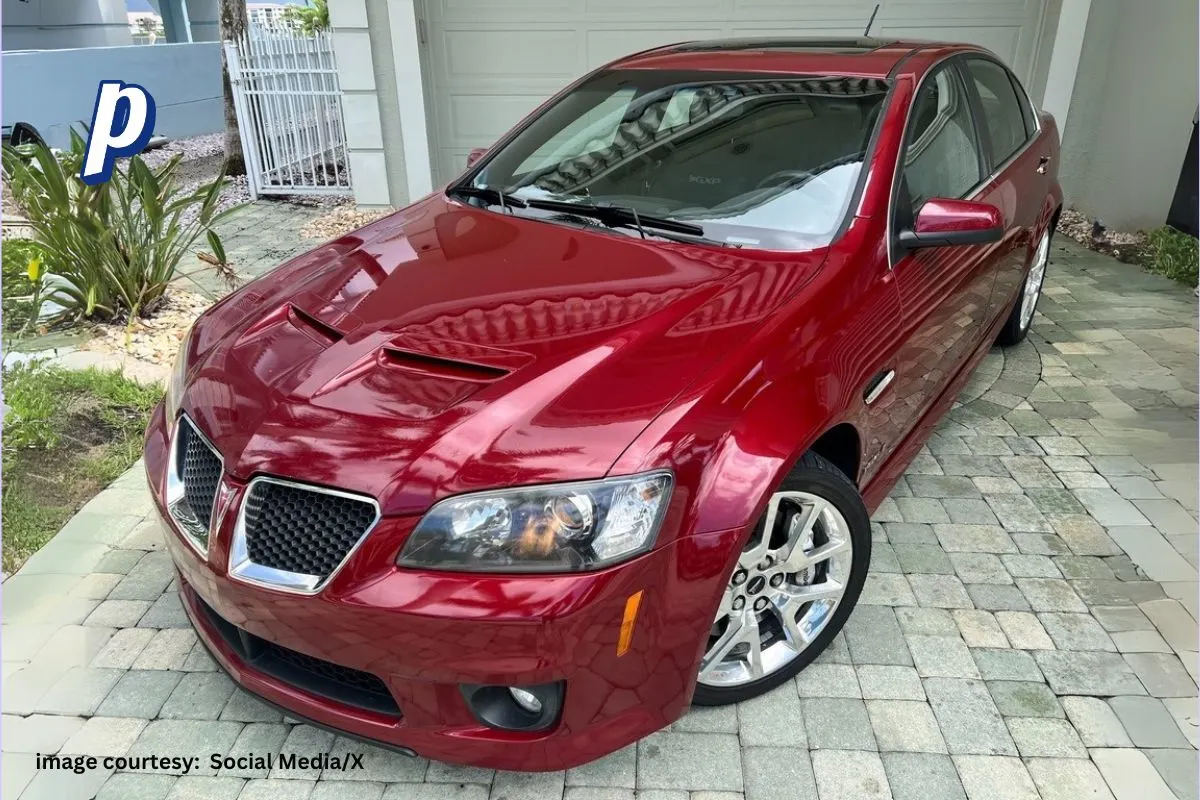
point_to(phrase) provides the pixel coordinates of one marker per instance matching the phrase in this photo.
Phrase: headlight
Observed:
(175, 384)
(559, 528)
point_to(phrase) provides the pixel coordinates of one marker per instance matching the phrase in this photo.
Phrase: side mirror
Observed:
(946, 223)
(475, 154)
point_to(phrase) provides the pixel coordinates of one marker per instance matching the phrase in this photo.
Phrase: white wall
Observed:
(183, 79)
(53, 24)
(1130, 115)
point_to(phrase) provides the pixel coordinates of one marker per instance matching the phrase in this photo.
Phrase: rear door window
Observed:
(1002, 116)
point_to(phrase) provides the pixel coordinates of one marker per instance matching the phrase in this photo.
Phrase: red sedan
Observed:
(515, 475)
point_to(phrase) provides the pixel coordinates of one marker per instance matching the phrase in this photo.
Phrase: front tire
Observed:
(793, 588)
(1019, 321)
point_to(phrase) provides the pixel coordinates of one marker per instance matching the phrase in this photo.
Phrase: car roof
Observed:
(858, 56)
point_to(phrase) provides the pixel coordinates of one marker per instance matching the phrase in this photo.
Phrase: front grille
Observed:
(301, 530)
(316, 676)
(201, 469)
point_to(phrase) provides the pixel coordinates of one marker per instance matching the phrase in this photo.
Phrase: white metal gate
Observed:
(289, 112)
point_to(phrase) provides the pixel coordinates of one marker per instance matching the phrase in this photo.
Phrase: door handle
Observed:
(1042, 162)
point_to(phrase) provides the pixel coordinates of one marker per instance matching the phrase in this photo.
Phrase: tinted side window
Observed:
(941, 156)
(1026, 106)
(1001, 108)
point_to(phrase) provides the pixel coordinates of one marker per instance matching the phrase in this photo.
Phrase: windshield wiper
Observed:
(621, 217)
(489, 194)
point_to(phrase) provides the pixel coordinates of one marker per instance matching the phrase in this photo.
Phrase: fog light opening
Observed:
(526, 700)
(515, 708)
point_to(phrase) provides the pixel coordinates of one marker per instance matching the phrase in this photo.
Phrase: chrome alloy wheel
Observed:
(1033, 282)
(783, 592)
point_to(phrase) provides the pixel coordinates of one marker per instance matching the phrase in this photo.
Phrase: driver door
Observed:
(944, 291)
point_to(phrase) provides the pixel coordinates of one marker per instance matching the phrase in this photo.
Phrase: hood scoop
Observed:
(439, 367)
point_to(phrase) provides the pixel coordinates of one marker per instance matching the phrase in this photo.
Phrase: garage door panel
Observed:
(930, 13)
(514, 53)
(657, 9)
(491, 62)
(508, 11)
(820, 28)
(790, 9)
(605, 45)
(1003, 40)
(478, 120)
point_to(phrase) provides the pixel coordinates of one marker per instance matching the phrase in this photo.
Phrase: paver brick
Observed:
(837, 724)
(1087, 673)
(1147, 722)
(1024, 699)
(1067, 779)
(1130, 775)
(199, 695)
(1162, 674)
(905, 726)
(1041, 737)
(1076, 632)
(968, 718)
(774, 718)
(1095, 722)
(669, 760)
(922, 776)
(140, 694)
(995, 778)
(942, 657)
(849, 773)
(777, 772)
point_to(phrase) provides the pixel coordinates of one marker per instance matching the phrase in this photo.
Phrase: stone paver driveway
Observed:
(1028, 629)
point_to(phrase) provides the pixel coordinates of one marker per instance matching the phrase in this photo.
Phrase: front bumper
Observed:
(425, 634)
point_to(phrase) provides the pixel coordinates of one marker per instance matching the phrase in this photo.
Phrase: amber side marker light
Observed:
(631, 611)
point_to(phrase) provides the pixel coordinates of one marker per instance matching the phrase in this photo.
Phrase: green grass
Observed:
(1172, 253)
(67, 435)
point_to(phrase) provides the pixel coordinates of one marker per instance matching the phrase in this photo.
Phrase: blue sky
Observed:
(144, 5)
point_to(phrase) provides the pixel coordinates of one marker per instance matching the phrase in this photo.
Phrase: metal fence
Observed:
(289, 112)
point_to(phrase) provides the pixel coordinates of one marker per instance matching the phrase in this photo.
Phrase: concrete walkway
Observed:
(1028, 628)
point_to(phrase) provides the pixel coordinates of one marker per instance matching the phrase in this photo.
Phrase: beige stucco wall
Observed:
(362, 40)
(1131, 111)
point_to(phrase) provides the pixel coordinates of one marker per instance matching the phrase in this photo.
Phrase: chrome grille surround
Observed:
(195, 529)
(243, 568)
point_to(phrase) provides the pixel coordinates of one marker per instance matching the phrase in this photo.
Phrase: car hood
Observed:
(446, 348)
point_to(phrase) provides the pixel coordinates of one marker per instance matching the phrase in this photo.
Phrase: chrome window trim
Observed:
(977, 188)
(243, 570)
(180, 512)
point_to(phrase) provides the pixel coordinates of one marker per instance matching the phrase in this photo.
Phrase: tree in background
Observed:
(234, 22)
(309, 18)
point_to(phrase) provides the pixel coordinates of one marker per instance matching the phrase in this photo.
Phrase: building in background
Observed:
(267, 15)
(146, 27)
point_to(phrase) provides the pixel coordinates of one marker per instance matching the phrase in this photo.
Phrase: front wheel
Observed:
(793, 587)
(1017, 327)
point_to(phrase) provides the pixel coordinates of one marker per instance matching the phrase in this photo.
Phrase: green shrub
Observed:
(1173, 253)
(22, 259)
(110, 249)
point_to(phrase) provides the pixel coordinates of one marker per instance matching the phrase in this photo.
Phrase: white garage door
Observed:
(490, 62)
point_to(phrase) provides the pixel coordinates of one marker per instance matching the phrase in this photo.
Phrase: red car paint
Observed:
(592, 355)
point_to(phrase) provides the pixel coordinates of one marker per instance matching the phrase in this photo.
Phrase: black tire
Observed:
(818, 476)
(1013, 331)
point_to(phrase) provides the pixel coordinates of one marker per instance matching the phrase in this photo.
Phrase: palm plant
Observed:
(310, 19)
(110, 249)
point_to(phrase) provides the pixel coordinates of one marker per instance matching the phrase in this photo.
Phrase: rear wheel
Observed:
(793, 587)
(1017, 327)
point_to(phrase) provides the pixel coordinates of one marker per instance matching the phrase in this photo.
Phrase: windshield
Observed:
(754, 160)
